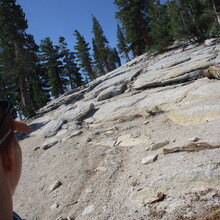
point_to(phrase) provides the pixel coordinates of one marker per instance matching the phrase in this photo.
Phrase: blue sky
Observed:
(55, 18)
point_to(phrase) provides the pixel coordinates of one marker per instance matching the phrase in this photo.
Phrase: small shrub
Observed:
(154, 111)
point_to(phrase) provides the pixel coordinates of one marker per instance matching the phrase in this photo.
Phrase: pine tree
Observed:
(122, 45)
(160, 25)
(116, 57)
(36, 84)
(73, 71)
(99, 65)
(133, 15)
(8, 81)
(191, 19)
(83, 56)
(39, 89)
(100, 48)
(14, 44)
(216, 7)
(50, 58)
(70, 69)
(113, 58)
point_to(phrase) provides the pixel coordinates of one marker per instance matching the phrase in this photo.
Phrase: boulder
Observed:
(74, 134)
(213, 72)
(210, 42)
(115, 78)
(177, 62)
(159, 145)
(50, 143)
(111, 92)
(164, 77)
(149, 159)
(77, 114)
(52, 127)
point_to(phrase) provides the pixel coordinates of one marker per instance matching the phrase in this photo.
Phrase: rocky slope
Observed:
(141, 142)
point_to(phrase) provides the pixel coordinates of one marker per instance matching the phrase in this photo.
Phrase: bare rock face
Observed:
(111, 92)
(52, 127)
(164, 77)
(149, 159)
(196, 115)
(77, 114)
(159, 145)
(210, 42)
(110, 160)
(50, 143)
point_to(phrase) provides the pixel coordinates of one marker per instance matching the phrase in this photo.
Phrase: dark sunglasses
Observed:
(8, 112)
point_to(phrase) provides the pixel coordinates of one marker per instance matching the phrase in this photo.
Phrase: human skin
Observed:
(10, 172)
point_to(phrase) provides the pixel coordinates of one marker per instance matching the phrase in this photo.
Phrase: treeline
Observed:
(31, 74)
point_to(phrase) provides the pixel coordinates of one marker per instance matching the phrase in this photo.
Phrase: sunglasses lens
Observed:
(8, 110)
(5, 105)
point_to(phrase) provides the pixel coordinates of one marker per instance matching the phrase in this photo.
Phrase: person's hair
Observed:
(6, 131)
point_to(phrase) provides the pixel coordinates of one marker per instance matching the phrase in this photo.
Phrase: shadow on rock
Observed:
(33, 127)
(90, 114)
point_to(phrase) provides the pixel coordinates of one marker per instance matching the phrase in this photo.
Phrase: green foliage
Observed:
(133, 15)
(29, 75)
(50, 58)
(70, 69)
(17, 53)
(160, 25)
(102, 53)
(154, 111)
(122, 45)
(39, 88)
(83, 56)
(100, 47)
(191, 19)
(116, 57)
(98, 62)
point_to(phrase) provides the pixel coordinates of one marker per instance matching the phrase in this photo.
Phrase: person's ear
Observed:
(8, 158)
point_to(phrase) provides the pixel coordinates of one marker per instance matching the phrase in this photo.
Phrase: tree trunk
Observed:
(23, 89)
(144, 32)
(91, 73)
(216, 6)
(25, 100)
(127, 56)
(59, 82)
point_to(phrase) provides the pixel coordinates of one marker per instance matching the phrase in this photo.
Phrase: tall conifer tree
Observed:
(216, 6)
(101, 48)
(133, 15)
(160, 25)
(83, 56)
(14, 43)
(122, 45)
(70, 69)
(191, 19)
(50, 58)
